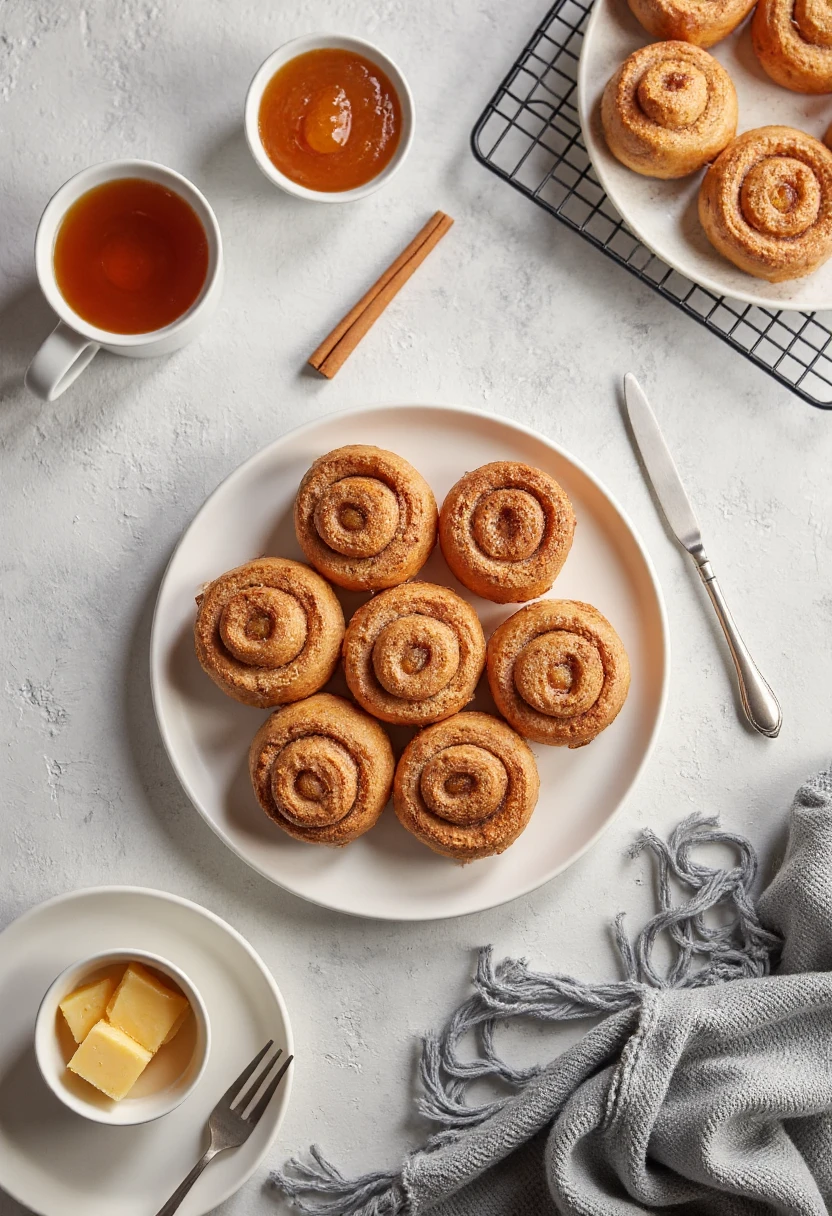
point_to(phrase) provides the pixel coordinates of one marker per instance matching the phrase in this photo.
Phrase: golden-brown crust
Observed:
(322, 769)
(766, 203)
(466, 787)
(268, 632)
(668, 110)
(413, 654)
(365, 518)
(558, 672)
(691, 20)
(793, 41)
(505, 530)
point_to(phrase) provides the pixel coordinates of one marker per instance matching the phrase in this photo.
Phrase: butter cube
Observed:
(143, 1007)
(177, 1025)
(86, 1006)
(110, 1060)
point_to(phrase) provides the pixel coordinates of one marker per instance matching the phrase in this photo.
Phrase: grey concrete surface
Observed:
(514, 315)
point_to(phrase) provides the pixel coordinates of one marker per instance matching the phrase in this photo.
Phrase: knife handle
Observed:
(760, 704)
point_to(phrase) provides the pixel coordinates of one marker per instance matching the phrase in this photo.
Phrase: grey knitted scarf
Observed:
(692, 1096)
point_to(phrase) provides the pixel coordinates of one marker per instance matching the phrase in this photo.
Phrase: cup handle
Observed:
(59, 362)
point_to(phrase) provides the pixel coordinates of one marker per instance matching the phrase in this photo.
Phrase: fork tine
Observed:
(260, 1077)
(257, 1113)
(235, 1086)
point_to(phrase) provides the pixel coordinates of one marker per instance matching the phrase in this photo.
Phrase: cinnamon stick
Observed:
(337, 347)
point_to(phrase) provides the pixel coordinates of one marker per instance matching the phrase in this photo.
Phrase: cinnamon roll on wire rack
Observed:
(691, 20)
(766, 203)
(668, 110)
(793, 41)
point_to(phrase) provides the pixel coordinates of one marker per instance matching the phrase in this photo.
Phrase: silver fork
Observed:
(228, 1125)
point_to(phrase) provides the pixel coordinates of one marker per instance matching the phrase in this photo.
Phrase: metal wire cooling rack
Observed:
(530, 136)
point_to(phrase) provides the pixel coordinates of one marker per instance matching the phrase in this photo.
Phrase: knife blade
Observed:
(661, 467)
(759, 703)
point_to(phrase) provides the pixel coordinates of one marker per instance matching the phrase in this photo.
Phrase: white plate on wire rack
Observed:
(387, 873)
(59, 1164)
(663, 214)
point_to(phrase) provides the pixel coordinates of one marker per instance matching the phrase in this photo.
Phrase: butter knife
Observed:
(758, 701)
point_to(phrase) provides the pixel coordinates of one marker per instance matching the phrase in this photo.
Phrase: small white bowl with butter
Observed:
(122, 1037)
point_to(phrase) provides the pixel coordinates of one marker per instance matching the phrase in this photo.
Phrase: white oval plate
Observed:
(663, 215)
(387, 873)
(59, 1164)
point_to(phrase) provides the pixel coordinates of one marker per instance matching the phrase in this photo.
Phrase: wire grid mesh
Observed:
(530, 136)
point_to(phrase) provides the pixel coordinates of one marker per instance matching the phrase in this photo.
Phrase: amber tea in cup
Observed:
(130, 256)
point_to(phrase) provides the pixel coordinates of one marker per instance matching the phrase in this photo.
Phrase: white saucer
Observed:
(387, 873)
(663, 214)
(59, 1164)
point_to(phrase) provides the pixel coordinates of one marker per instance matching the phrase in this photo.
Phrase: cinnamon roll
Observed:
(691, 20)
(268, 632)
(414, 654)
(365, 518)
(505, 530)
(322, 769)
(668, 110)
(793, 42)
(766, 203)
(558, 672)
(466, 787)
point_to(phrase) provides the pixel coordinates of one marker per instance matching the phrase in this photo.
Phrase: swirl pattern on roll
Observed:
(466, 787)
(668, 110)
(793, 42)
(558, 672)
(691, 20)
(505, 530)
(766, 203)
(413, 654)
(365, 518)
(322, 769)
(269, 632)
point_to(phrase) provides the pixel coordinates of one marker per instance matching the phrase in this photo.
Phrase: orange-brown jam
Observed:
(330, 120)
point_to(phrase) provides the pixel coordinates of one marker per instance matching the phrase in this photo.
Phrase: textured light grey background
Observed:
(514, 315)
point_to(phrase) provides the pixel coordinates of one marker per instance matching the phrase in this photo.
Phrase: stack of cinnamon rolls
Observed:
(765, 202)
(271, 634)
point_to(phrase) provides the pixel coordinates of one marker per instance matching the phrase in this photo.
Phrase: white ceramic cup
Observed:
(318, 42)
(85, 1099)
(74, 342)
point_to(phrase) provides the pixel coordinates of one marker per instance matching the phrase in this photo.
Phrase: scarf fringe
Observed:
(374, 1194)
(704, 954)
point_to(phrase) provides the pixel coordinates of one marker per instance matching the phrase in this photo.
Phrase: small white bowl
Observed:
(317, 42)
(83, 1098)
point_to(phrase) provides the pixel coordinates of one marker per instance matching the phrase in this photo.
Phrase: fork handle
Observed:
(181, 1191)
